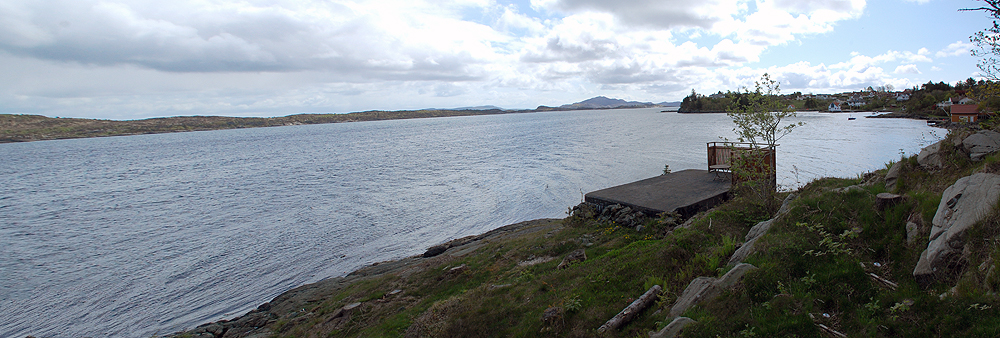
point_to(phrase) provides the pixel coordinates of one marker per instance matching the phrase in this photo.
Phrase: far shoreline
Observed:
(16, 128)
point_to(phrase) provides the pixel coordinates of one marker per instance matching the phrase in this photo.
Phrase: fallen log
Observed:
(631, 310)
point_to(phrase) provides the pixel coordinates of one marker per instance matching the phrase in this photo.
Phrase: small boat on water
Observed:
(852, 118)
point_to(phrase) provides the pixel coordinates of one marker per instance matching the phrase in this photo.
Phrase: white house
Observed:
(945, 103)
(834, 106)
(966, 100)
(856, 101)
(903, 97)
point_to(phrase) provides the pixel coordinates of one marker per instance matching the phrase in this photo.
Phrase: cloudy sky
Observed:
(127, 59)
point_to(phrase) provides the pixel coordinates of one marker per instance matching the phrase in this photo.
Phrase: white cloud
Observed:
(907, 69)
(955, 49)
(383, 38)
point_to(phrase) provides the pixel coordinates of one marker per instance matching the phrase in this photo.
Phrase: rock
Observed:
(212, 329)
(552, 314)
(912, 232)
(893, 175)
(672, 329)
(962, 205)
(885, 200)
(759, 229)
(435, 250)
(786, 205)
(622, 216)
(930, 157)
(981, 144)
(578, 255)
(743, 251)
(847, 189)
(553, 319)
(707, 288)
(692, 294)
(458, 269)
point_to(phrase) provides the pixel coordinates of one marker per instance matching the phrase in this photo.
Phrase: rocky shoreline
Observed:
(296, 303)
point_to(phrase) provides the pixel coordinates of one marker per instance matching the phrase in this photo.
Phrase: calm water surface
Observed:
(139, 235)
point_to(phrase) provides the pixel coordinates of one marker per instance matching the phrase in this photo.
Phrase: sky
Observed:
(133, 59)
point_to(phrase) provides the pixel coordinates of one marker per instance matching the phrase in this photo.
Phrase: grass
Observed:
(498, 297)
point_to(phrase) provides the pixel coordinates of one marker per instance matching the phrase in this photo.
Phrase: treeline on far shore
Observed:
(23, 128)
(925, 100)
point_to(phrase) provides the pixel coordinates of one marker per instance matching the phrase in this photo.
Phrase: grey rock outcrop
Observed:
(892, 176)
(981, 144)
(707, 288)
(701, 289)
(672, 329)
(759, 230)
(930, 157)
(963, 204)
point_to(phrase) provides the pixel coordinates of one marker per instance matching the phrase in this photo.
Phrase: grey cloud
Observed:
(656, 13)
(565, 49)
(808, 6)
(178, 39)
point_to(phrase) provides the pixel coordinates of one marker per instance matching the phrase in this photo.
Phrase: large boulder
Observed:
(981, 144)
(931, 157)
(963, 204)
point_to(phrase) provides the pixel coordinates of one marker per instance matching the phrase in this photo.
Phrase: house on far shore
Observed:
(834, 106)
(946, 103)
(964, 113)
(902, 97)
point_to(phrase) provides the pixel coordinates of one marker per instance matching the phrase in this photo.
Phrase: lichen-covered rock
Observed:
(930, 157)
(981, 144)
(963, 204)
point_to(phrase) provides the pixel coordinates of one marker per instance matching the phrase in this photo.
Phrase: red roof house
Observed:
(964, 113)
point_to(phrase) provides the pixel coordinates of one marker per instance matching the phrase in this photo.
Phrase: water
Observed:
(138, 235)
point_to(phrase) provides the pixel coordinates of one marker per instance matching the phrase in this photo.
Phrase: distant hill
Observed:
(670, 104)
(490, 107)
(604, 102)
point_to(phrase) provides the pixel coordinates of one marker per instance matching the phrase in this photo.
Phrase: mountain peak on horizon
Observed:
(606, 102)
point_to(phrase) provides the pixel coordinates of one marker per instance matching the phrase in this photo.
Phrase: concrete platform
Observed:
(686, 192)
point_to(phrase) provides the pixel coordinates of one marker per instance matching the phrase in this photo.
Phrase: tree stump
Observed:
(885, 200)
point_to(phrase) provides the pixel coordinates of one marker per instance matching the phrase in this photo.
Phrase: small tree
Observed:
(758, 117)
(759, 113)
(987, 41)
